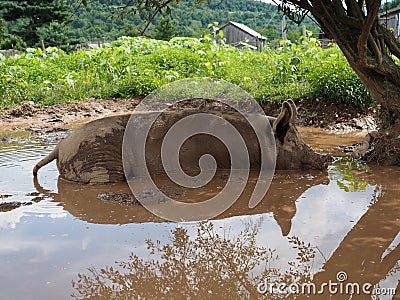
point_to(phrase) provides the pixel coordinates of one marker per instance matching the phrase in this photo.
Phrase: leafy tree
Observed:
(130, 30)
(390, 5)
(58, 35)
(165, 29)
(369, 47)
(9, 41)
(33, 15)
(102, 18)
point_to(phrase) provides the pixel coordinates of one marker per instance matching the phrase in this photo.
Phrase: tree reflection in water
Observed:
(346, 172)
(211, 265)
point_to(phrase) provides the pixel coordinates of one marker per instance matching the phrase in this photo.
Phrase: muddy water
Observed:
(311, 227)
(327, 142)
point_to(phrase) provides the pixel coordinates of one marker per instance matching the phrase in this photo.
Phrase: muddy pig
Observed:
(92, 153)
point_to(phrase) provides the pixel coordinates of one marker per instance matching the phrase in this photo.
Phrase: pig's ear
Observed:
(294, 112)
(282, 121)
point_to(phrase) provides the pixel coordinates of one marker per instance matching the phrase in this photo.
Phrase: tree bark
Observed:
(382, 90)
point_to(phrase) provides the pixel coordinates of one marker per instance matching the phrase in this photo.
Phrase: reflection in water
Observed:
(16, 160)
(212, 264)
(206, 265)
(83, 201)
(346, 172)
(370, 253)
(309, 227)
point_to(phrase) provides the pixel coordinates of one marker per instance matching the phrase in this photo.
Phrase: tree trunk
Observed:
(381, 77)
(382, 90)
(382, 81)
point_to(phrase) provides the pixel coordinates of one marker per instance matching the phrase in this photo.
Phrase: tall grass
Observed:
(137, 66)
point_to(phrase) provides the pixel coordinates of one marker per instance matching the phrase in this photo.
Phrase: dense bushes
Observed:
(137, 66)
(331, 77)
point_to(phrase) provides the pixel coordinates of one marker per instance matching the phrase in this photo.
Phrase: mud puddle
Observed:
(341, 225)
(327, 142)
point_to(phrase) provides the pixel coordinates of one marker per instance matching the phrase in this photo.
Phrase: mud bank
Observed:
(47, 119)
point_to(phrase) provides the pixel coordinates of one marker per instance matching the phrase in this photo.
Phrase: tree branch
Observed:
(375, 48)
(303, 4)
(326, 17)
(390, 41)
(372, 15)
(149, 22)
(338, 4)
(387, 69)
(143, 6)
(379, 37)
(354, 10)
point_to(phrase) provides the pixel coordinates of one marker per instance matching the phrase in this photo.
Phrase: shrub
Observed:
(331, 77)
(137, 66)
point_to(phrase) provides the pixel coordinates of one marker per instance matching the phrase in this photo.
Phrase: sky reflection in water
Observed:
(44, 246)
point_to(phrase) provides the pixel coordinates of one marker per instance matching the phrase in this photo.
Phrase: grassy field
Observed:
(137, 66)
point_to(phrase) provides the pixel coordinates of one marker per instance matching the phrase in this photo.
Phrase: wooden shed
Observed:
(239, 35)
(391, 20)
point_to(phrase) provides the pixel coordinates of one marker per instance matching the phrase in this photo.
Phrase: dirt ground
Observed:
(38, 120)
(45, 119)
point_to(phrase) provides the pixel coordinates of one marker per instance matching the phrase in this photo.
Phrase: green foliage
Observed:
(137, 66)
(32, 15)
(101, 19)
(165, 29)
(336, 80)
(9, 41)
(260, 16)
(58, 35)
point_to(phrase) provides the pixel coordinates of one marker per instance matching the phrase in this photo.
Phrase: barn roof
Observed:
(245, 29)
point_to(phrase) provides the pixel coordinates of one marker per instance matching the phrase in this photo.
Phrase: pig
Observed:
(92, 154)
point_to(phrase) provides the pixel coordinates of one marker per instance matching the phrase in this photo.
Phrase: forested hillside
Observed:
(100, 20)
(389, 5)
(190, 19)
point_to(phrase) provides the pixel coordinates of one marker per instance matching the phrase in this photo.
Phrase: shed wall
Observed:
(234, 36)
(393, 22)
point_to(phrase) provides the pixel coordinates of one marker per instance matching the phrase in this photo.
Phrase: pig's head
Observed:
(292, 151)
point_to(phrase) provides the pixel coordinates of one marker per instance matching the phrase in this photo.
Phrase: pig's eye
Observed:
(291, 140)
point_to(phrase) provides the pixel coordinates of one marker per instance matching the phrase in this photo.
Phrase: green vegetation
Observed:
(28, 17)
(9, 41)
(389, 5)
(165, 29)
(192, 19)
(137, 66)
(63, 26)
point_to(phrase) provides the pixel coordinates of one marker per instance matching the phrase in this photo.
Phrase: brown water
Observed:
(310, 227)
